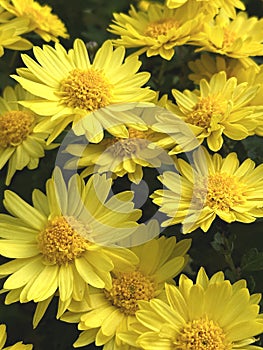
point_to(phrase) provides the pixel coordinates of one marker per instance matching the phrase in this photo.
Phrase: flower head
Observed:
(206, 315)
(65, 241)
(20, 145)
(251, 74)
(46, 24)
(91, 95)
(113, 310)
(121, 156)
(17, 346)
(157, 31)
(213, 186)
(220, 107)
(237, 38)
(207, 65)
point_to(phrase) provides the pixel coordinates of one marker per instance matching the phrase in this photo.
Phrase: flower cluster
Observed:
(129, 145)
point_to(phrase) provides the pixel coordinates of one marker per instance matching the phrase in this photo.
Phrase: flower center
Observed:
(220, 192)
(161, 27)
(15, 126)
(229, 37)
(63, 240)
(127, 289)
(202, 334)
(86, 89)
(207, 108)
(125, 147)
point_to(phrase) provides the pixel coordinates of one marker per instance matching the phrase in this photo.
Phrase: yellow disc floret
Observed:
(15, 126)
(224, 192)
(201, 334)
(63, 240)
(86, 89)
(207, 108)
(127, 289)
(161, 27)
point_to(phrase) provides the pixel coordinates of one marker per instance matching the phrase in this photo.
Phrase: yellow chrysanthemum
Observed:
(211, 6)
(211, 314)
(91, 95)
(158, 31)
(120, 156)
(112, 311)
(17, 346)
(47, 25)
(207, 65)
(220, 107)
(238, 38)
(213, 186)
(20, 145)
(10, 34)
(65, 241)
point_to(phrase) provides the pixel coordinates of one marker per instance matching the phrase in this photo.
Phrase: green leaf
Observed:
(252, 260)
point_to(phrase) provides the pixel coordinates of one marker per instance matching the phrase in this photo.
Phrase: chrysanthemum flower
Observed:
(20, 145)
(221, 107)
(46, 24)
(64, 242)
(238, 38)
(211, 6)
(157, 31)
(212, 186)
(121, 156)
(10, 35)
(207, 66)
(209, 314)
(17, 346)
(113, 310)
(70, 89)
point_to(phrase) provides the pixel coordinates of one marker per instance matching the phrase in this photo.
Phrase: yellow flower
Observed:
(65, 241)
(112, 311)
(47, 25)
(20, 145)
(157, 31)
(70, 89)
(211, 6)
(10, 34)
(120, 156)
(209, 314)
(17, 346)
(238, 38)
(252, 75)
(212, 186)
(207, 65)
(221, 107)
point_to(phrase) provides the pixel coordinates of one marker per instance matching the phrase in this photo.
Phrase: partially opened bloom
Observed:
(70, 88)
(20, 145)
(238, 38)
(17, 346)
(208, 65)
(10, 35)
(112, 311)
(220, 107)
(46, 24)
(65, 241)
(121, 156)
(157, 31)
(205, 315)
(212, 186)
(211, 6)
